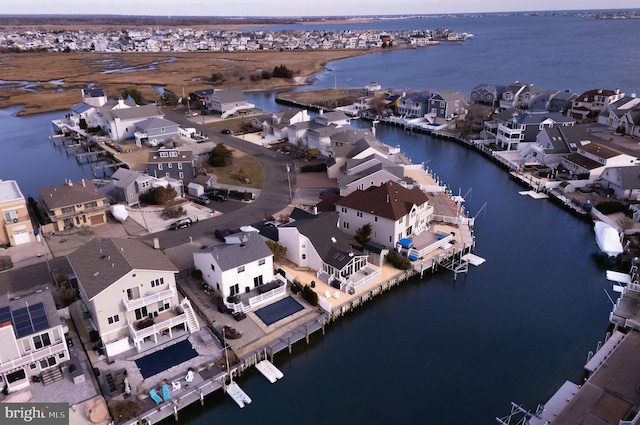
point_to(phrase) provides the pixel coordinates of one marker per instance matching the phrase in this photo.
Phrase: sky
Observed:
(299, 7)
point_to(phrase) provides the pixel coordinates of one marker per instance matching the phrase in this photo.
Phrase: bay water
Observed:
(437, 351)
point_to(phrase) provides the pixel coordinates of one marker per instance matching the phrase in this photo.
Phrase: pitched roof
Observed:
(144, 111)
(124, 177)
(102, 262)
(30, 313)
(583, 161)
(232, 256)
(230, 95)
(599, 150)
(203, 93)
(79, 108)
(389, 200)
(70, 193)
(629, 177)
(155, 122)
(180, 156)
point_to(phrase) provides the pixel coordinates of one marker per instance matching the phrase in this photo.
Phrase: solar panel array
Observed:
(26, 320)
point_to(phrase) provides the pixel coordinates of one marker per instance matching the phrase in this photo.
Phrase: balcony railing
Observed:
(140, 334)
(155, 297)
(62, 216)
(33, 357)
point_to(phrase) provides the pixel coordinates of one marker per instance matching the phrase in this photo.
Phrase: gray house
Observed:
(447, 105)
(128, 185)
(230, 102)
(154, 131)
(172, 163)
(486, 94)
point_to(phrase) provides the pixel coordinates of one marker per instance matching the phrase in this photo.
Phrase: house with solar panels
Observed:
(129, 290)
(32, 336)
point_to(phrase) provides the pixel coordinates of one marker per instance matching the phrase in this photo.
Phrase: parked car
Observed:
(220, 233)
(202, 200)
(225, 131)
(216, 195)
(272, 223)
(180, 224)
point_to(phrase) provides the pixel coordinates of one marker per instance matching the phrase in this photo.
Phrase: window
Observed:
(56, 335)
(173, 154)
(343, 209)
(141, 313)
(240, 269)
(304, 256)
(26, 344)
(359, 213)
(61, 355)
(159, 166)
(179, 165)
(162, 129)
(146, 184)
(169, 165)
(164, 154)
(164, 305)
(32, 366)
(181, 174)
(400, 220)
(133, 293)
(157, 282)
(91, 204)
(42, 340)
(113, 319)
(213, 267)
(345, 225)
(10, 216)
(261, 261)
(257, 281)
(375, 218)
(67, 210)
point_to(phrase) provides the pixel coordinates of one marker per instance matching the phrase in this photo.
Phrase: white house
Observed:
(120, 122)
(32, 335)
(129, 289)
(592, 158)
(242, 273)
(371, 171)
(393, 212)
(624, 181)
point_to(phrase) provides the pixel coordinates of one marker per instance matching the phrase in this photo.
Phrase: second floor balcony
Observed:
(149, 298)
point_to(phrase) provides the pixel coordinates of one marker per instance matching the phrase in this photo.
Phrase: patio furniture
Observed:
(154, 396)
(189, 376)
(165, 392)
(176, 385)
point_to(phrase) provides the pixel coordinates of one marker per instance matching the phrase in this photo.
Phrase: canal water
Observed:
(434, 350)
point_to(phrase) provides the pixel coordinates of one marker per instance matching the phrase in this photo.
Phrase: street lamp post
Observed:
(289, 181)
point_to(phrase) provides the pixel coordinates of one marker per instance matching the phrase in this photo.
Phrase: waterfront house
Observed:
(74, 204)
(393, 211)
(486, 94)
(155, 131)
(615, 111)
(129, 291)
(33, 340)
(590, 104)
(524, 126)
(446, 106)
(337, 118)
(229, 103)
(363, 173)
(315, 241)
(623, 181)
(83, 115)
(202, 98)
(630, 122)
(591, 159)
(119, 122)
(553, 143)
(174, 163)
(561, 101)
(240, 271)
(510, 97)
(413, 105)
(279, 123)
(94, 97)
(16, 223)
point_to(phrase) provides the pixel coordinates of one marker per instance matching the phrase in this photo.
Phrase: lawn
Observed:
(242, 164)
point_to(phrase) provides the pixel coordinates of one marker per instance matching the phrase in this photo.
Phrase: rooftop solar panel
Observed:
(5, 314)
(29, 319)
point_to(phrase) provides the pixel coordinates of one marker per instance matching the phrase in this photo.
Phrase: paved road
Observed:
(273, 197)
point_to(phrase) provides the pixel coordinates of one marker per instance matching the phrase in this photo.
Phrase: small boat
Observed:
(119, 213)
(608, 239)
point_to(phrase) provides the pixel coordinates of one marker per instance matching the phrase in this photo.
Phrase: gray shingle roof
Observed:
(230, 96)
(144, 111)
(154, 123)
(101, 262)
(231, 256)
(322, 230)
(71, 193)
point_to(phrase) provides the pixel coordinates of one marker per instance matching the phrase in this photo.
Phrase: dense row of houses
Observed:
(189, 39)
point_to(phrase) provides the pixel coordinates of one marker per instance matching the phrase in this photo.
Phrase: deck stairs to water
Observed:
(52, 375)
(192, 320)
(239, 396)
(269, 371)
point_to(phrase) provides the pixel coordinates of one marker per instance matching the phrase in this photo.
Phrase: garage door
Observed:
(21, 237)
(96, 219)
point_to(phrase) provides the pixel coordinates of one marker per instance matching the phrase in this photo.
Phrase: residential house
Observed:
(446, 106)
(83, 115)
(590, 104)
(33, 342)
(615, 111)
(16, 224)
(337, 118)
(74, 204)
(120, 122)
(413, 105)
(623, 181)
(129, 290)
(630, 122)
(393, 211)
(202, 98)
(279, 123)
(562, 101)
(155, 131)
(229, 103)
(511, 95)
(591, 159)
(242, 272)
(363, 173)
(94, 97)
(174, 163)
(315, 241)
(523, 127)
(486, 94)
(553, 143)
(127, 186)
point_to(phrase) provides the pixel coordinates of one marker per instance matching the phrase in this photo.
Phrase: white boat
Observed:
(239, 396)
(269, 371)
(608, 239)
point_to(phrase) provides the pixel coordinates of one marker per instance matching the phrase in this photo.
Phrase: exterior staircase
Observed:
(52, 375)
(192, 320)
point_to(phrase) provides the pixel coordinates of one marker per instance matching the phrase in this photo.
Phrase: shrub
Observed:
(309, 295)
(611, 207)
(173, 212)
(398, 261)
